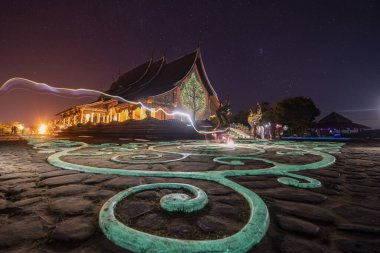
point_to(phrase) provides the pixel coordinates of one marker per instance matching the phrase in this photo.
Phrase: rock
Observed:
(358, 246)
(67, 179)
(297, 225)
(121, 183)
(159, 167)
(56, 173)
(67, 190)
(95, 179)
(219, 191)
(268, 184)
(326, 191)
(26, 202)
(134, 209)
(292, 244)
(180, 229)
(152, 221)
(23, 187)
(147, 195)
(23, 249)
(17, 175)
(137, 167)
(99, 195)
(325, 173)
(190, 166)
(357, 214)
(229, 211)
(211, 224)
(364, 189)
(359, 228)
(3, 204)
(232, 201)
(17, 181)
(32, 193)
(71, 205)
(295, 194)
(370, 202)
(306, 211)
(74, 229)
(28, 228)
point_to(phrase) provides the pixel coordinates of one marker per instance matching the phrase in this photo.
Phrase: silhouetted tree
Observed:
(241, 117)
(298, 113)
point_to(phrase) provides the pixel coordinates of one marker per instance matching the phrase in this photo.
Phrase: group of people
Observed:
(14, 130)
(261, 131)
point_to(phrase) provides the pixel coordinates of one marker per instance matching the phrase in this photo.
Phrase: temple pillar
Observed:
(142, 113)
(126, 114)
(130, 113)
(92, 117)
(98, 118)
(81, 117)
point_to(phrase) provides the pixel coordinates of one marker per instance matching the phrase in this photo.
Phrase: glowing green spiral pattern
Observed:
(242, 241)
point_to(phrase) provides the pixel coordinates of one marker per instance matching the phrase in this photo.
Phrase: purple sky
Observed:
(253, 50)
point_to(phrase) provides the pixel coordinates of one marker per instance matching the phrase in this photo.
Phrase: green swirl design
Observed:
(138, 241)
(196, 199)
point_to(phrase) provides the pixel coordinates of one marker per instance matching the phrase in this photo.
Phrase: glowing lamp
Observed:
(88, 116)
(21, 127)
(230, 143)
(42, 129)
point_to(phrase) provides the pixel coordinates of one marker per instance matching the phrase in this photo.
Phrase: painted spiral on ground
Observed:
(195, 199)
(138, 241)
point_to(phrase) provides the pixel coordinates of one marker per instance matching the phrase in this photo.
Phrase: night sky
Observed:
(253, 50)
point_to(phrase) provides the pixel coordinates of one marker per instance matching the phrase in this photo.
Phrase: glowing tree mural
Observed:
(193, 96)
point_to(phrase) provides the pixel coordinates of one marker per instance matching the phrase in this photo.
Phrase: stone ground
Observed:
(46, 209)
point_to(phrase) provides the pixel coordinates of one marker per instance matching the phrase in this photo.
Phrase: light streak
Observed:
(72, 91)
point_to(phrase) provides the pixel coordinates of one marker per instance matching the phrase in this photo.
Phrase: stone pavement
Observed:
(47, 209)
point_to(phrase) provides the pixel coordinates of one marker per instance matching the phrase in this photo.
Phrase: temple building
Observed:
(338, 124)
(179, 85)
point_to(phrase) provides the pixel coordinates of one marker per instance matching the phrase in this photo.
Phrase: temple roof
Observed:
(156, 77)
(337, 121)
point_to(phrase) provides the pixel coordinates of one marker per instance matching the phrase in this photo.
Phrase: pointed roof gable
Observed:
(159, 77)
(335, 120)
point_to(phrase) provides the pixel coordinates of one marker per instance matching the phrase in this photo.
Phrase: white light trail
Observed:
(57, 90)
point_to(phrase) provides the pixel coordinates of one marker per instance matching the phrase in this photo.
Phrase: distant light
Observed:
(21, 127)
(42, 129)
(88, 116)
(230, 143)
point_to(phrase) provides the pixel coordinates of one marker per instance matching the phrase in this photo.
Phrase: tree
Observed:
(193, 96)
(241, 117)
(298, 113)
